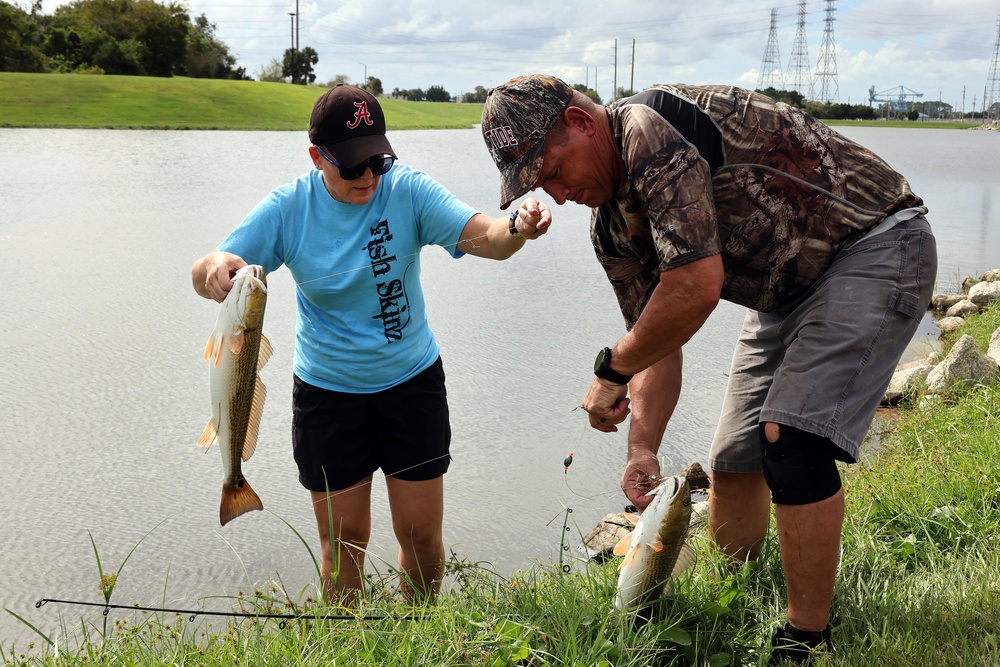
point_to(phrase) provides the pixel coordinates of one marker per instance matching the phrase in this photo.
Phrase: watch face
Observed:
(600, 360)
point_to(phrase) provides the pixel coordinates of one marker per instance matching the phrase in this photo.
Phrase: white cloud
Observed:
(937, 47)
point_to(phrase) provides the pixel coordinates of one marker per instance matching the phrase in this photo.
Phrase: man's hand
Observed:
(642, 471)
(533, 219)
(607, 404)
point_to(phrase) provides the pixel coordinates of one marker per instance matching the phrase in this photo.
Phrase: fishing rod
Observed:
(194, 613)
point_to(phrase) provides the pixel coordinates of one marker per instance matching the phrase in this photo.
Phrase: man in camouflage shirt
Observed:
(701, 193)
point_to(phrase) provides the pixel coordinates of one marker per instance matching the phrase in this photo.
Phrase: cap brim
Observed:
(520, 177)
(355, 151)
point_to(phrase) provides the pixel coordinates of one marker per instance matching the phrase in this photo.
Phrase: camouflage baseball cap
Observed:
(516, 117)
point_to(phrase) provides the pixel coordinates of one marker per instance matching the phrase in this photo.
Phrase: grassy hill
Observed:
(132, 102)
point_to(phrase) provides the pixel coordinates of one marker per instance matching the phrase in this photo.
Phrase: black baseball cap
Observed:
(349, 122)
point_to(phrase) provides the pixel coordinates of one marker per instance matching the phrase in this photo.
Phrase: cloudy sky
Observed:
(941, 48)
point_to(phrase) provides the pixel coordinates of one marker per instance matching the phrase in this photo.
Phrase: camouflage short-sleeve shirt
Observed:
(722, 170)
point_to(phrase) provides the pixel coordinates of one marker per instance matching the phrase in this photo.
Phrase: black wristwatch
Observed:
(513, 225)
(603, 370)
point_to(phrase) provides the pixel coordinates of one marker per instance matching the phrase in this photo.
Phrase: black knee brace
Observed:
(799, 466)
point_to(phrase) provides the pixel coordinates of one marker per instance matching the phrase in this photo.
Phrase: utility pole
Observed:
(631, 81)
(295, 51)
(770, 68)
(614, 79)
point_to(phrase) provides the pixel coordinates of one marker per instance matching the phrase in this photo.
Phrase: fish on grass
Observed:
(656, 549)
(237, 350)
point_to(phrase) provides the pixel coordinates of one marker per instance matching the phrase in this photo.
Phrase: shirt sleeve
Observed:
(441, 216)
(257, 239)
(672, 189)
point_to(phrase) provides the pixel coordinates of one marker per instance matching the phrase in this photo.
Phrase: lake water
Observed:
(103, 392)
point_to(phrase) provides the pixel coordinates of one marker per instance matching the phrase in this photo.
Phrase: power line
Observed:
(770, 68)
(826, 69)
(797, 77)
(991, 96)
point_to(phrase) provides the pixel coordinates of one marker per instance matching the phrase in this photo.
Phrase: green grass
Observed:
(919, 584)
(179, 103)
(918, 124)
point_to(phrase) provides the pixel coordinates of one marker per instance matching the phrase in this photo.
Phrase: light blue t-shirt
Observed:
(361, 326)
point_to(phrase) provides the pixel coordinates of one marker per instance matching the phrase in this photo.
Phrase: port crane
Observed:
(899, 98)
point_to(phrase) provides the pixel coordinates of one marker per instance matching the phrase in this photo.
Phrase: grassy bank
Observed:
(918, 124)
(178, 103)
(919, 584)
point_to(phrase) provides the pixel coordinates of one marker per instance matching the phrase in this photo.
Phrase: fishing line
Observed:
(471, 241)
(568, 461)
(194, 613)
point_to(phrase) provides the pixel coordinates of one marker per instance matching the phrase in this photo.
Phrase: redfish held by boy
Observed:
(656, 549)
(238, 350)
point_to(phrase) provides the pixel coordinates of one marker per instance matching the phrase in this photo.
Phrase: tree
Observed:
(111, 30)
(206, 56)
(272, 72)
(589, 92)
(791, 97)
(413, 94)
(373, 86)
(20, 41)
(124, 57)
(297, 65)
(478, 96)
(438, 94)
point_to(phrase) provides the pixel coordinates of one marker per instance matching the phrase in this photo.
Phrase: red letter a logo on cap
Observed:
(361, 115)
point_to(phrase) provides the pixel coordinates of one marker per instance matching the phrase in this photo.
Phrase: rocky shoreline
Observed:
(928, 380)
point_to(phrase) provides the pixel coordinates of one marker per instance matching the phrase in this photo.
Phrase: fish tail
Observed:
(238, 499)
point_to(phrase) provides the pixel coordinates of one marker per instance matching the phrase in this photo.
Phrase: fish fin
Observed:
(236, 341)
(629, 557)
(656, 546)
(686, 559)
(631, 516)
(623, 544)
(209, 436)
(236, 500)
(265, 352)
(213, 349)
(253, 423)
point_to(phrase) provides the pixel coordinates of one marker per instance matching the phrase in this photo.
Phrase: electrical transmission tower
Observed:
(797, 76)
(826, 69)
(991, 97)
(770, 69)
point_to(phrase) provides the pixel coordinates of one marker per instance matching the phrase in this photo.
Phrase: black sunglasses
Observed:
(379, 165)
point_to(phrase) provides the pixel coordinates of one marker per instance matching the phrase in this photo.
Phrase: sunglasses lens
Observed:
(381, 165)
(351, 173)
